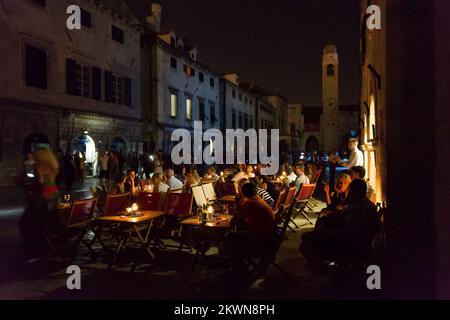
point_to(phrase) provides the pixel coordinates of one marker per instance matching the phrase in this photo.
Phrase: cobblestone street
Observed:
(167, 278)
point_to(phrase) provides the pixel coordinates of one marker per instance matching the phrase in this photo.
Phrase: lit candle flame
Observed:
(134, 207)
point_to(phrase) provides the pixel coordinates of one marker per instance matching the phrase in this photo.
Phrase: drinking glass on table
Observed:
(67, 199)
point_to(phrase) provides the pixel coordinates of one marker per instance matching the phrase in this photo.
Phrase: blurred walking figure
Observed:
(42, 200)
(70, 171)
(80, 165)
(113, 167)
(103, 163)
(158, 163)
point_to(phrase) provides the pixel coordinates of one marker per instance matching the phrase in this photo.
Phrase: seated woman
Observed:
(336, 201)
(261, 187)
(132, 183)
(119, 184)
(158, 184)
(191, 179)
(347, 233)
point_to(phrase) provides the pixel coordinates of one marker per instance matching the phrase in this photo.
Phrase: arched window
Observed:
(330, 70)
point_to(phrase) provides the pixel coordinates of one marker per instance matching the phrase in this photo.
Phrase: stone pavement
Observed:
(167, 278)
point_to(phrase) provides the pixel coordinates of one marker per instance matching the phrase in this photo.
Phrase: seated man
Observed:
(256, 227)
(173, 182)
(348, 232)
(299, 170)
(247, 174)
(291, 177)
(158, 184)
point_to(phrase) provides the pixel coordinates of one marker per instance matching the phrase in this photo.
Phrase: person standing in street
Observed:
(356, 156)
(103, 163)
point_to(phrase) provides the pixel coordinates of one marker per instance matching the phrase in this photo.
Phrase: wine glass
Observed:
(67, 199)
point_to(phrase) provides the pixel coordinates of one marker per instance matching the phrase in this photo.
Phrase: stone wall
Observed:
(60, 127)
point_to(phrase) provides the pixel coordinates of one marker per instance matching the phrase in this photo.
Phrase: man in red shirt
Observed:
(256, 228)
(254, 215)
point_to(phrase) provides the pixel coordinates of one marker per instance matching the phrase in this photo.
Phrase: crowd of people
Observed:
(344, 222)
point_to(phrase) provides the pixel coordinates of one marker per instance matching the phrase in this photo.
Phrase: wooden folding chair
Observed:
(114, 205)
(75, 227)
(262, 258)
(302, 199)
(280, 199)
(148, 201)
(288, 203)
(178, 207)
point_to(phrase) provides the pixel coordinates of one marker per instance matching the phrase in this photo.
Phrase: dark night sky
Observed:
(278, 44)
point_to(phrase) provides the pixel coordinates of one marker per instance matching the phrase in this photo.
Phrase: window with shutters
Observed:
(82, 80)
(117, 89)
(120, 91)
(212, 114)
(35, 67)
(200, 77)
(127, 93)
(114, 89)
(96, 83)
(85, 18)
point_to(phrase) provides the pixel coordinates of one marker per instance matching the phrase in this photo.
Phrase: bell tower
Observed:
(330, 98)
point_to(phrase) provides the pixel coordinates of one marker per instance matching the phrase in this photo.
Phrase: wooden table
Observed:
(221, 223)
(228, 198)
(142, 221)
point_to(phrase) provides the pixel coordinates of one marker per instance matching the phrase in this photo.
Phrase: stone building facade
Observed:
(183, 90)
(238, 105)
(59, 87)
(405, 117)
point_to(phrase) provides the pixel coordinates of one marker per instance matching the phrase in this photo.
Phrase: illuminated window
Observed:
(372, 120)
(173, 104)
(189, 71)
(365, 128)
(189, 108)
